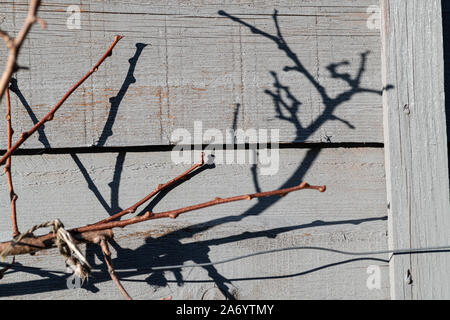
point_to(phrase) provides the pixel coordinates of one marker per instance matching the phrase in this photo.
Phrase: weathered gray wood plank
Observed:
(416, 146)
(197, 65)
(446, 37)
(350, 215)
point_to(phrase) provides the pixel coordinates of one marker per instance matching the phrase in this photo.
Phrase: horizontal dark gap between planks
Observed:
(159, 148)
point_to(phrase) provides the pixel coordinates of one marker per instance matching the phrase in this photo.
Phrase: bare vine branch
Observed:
(7, 168)
(14, 45)
(25, 135)
(107, 254)
(159, 188)
(99, 232)
(90, 232)
(31, 244)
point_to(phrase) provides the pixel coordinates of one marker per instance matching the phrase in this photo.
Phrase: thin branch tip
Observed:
(107, 255)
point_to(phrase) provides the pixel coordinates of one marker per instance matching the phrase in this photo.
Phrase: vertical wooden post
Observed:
(416, 146)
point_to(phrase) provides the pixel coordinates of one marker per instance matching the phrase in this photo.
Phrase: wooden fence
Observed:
(320, 72)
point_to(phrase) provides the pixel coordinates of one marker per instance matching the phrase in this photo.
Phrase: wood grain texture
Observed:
(181, 61)
(83, 188)
(416, 146)
(446, 37)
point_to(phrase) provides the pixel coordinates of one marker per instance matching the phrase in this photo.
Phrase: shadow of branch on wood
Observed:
(117, 100)
(170, 249)
(166, 250)
(113, 207)
(14, 87)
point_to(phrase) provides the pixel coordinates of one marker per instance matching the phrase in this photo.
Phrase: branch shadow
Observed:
(117, 100)
(170, 249)
(287, 109)
(113, 207)
(14, 87)
(163, 251)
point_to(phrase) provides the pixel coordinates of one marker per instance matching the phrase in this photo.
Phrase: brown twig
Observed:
(159, 188)
(31, 245)
(99, 232)
(91, 232)
(107, 254)
(24, 136)
(7, 168)
(14, 44)
(175, 213)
